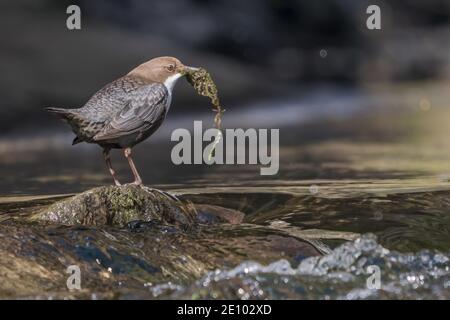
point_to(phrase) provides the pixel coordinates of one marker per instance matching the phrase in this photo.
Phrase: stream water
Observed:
(372, 188)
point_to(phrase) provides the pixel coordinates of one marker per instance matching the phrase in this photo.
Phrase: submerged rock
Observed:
(211, 214)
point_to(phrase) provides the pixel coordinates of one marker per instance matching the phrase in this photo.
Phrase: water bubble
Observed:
(314, 189)
(439, 258)
(323, 53)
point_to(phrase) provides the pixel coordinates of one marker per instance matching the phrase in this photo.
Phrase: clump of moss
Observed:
(123, 205)
(203, 83)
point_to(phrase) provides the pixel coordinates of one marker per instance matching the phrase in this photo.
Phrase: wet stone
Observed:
(133, 207)
(119, 206)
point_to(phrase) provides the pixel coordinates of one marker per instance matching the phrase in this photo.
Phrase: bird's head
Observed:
(165, 70)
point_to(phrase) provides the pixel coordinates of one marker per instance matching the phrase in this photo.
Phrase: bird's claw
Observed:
(134, 183)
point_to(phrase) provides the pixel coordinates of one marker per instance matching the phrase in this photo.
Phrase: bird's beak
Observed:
(187, 69)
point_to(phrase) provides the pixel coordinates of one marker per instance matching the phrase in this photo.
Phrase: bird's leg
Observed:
(108, 164)
(137, 178)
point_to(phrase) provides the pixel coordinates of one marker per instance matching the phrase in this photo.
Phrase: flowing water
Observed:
(362, 188)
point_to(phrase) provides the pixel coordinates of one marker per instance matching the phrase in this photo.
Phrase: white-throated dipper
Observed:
(127, 110)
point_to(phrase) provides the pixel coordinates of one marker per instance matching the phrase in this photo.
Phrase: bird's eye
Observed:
(171, 68)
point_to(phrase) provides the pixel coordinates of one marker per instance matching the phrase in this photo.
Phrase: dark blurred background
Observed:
(346, 99)
(254, 49)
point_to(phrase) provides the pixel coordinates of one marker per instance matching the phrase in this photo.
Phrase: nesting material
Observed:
(203, 83)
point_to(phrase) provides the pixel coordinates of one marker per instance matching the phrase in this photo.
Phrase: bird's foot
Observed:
(135, 183)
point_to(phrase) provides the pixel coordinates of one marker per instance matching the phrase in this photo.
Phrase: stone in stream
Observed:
(119, 206)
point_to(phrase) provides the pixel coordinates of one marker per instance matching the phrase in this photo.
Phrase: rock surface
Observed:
(129, 242)
(118, 206)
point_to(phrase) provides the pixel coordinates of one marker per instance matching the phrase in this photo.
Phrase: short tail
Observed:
(67, 114)
(57, 110)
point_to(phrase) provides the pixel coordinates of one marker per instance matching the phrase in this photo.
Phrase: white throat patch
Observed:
(170, 81)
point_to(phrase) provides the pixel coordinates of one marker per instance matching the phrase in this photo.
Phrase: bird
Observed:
(126, 111)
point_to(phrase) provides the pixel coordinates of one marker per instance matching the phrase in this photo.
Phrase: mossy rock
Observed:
(113, 205)
(120, 206)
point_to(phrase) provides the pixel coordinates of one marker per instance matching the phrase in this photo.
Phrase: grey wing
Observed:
(142, 109)
(110, 99)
